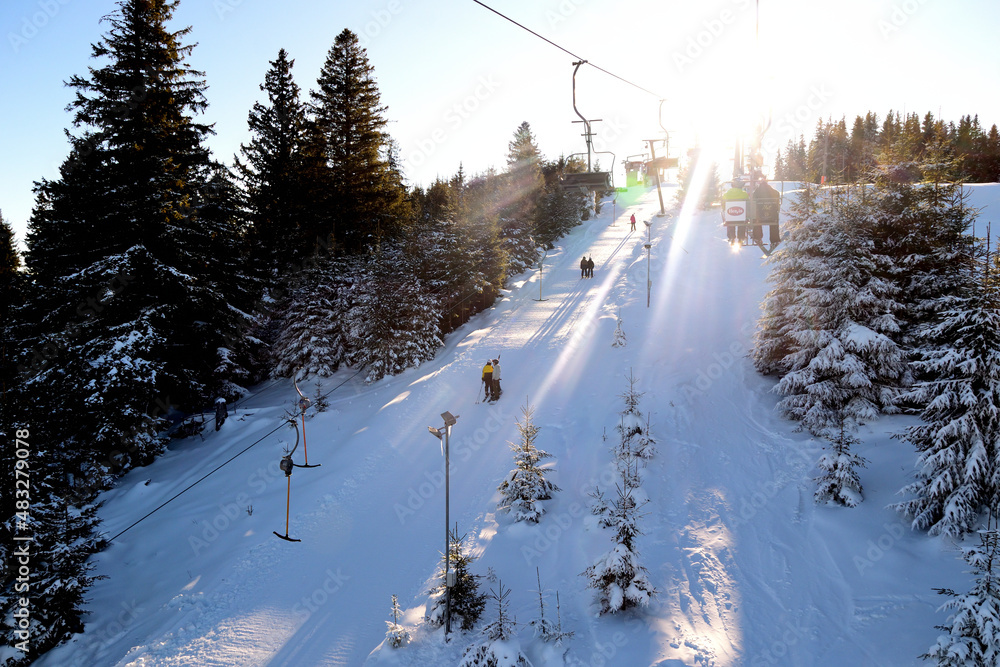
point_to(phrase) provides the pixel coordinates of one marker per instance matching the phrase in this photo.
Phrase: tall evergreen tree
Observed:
(130, 198)
(272, 171)
(439, 244)
(843, 361)
(559, 209)
(922, 230)
(365, 199)
(522, 191)
(12, 285)
(791, 268)
(959, 440)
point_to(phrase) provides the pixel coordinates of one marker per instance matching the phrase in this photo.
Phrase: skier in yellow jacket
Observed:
(488, 378)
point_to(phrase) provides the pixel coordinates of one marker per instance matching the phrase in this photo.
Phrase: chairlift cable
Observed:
(634, 85)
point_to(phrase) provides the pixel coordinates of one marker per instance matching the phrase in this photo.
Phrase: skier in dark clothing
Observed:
(496, 380)
(583, 267)
(590, 267)
(221, 412)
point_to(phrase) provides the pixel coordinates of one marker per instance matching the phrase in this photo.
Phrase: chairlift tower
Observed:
(587, 134)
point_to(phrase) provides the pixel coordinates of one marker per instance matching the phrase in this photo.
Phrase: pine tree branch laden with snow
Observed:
(973, 628)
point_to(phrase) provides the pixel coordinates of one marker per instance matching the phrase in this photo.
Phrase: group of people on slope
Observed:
(491, 379)
(587, 267)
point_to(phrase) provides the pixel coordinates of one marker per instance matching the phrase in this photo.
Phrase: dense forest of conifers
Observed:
(965, 152)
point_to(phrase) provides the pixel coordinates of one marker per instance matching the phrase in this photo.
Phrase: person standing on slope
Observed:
(632, 220)
(583, 267)
(488, 378)
(590, 267)
(496, 380)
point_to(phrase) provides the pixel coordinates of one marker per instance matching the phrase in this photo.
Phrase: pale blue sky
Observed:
(458, 79)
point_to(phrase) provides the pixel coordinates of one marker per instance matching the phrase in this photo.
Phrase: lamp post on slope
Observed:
(541, 253)
(449, 577)
(648, 245)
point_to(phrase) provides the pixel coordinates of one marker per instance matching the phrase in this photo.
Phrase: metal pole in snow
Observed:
(648, 245)
(447, 541)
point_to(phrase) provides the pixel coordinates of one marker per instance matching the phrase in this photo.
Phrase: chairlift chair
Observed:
(592, 181)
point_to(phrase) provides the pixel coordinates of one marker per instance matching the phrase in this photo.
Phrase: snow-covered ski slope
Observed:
(749, 570)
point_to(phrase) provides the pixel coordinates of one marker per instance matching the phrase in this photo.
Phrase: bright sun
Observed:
(718, 94)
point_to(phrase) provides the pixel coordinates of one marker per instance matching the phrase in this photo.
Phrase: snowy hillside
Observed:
(749, 570)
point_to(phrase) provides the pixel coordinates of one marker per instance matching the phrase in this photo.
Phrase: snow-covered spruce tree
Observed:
(438, 242)
(320, 400)
(843, 361)
(467, 602)
(599, 506)
(621, 581)
(497, 647)
(560, 209)
(790, 270)
(63, 535)
(625, 458)
(482, 197)
(613, 513)
(839, 482)
(395, 323)
(633, 427)
(312, 334)
(973, 628)
(619, 335)
(396, 635)
(923, 230)
(959, 440)
(525, 486)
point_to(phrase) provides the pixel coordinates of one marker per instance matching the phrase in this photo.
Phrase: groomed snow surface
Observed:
(749, 570)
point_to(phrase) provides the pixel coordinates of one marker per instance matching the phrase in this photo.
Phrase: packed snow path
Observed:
(749, 570)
